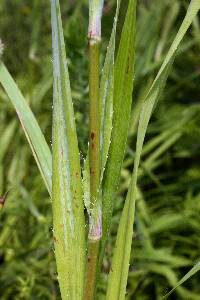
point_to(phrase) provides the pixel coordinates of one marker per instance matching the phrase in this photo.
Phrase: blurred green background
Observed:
(166, 242)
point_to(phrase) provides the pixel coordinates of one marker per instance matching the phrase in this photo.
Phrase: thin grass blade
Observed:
(122, 99)
(192, 272)
(106, 95)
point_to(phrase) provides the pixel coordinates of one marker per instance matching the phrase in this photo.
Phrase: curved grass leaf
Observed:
(170, 276)
(37, 142)
(192, 272)
(68, 209)
(120, 265)
(122, 99)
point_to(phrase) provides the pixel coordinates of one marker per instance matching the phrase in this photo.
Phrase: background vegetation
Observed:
(167, 232)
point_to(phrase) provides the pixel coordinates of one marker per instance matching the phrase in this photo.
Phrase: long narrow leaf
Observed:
(68, 209)
(106, 94)
(123, 86)
(37, 142)
(119, 271)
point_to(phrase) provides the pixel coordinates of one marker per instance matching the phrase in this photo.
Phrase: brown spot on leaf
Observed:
(128, 67)
(55, 239)
(92, 135)
(92, 172)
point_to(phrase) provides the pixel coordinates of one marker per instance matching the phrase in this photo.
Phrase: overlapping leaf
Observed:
(68, 210)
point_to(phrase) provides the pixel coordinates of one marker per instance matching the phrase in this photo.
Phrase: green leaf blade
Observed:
(34, 135)
(122, 99)
(68, 209)
(106, 95)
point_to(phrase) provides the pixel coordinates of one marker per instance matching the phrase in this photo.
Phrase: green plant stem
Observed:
(94, 155)
(94, 145)
(93, 250)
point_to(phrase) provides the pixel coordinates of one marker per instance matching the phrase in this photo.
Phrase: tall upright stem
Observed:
(94, 145)
(95, 218)
(94, 156)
